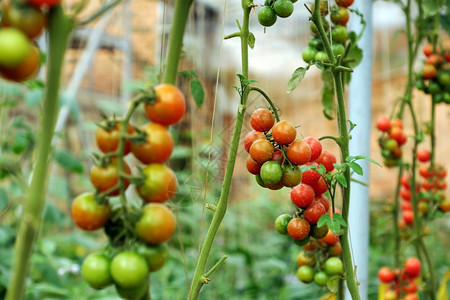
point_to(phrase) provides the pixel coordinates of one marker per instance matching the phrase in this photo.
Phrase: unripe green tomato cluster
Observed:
(272, 9)
(434, 78)
(339, 16)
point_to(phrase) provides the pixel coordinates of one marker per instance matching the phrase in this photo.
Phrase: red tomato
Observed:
(315, 145)
(28, 19)
(314, 211)
(413, 267)
(157, 148)
(383, 124)
(327, 159)
(27, 69)
(423, 155)
(105, 178)
(252, 166)
(160, 183)
(298, 229)
(44, 2)
(262, 120)
(251, 137)
(299, 153)
(261, 151)
(284, 133)
(169, 107)
(108, 139)
(311, 176)
(88, 214)
(330, 239)
(157, 223)
(302, 195)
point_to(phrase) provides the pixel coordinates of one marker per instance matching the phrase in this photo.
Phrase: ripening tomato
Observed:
(318, 232)
(429, 71)
(157, 148)
(314, 211)
(157, 223)
(330, 239)
(311, 176)
(299, 152)
(408, 217)
(302, 195)
(322, 199)
(88, 214)
(423, 155)
(105, 178)
(428, 50)
(108, 138)
(298, 229)
(283, 132)
(155, 255)
(251, 137)
(344, 3)
(327, 159)
(383, 124)
(41, 3)
(315, 145)
(252, 166)
(14, 47)
(28, 19)
(282, 222)
(335, 250)
(27, 69)
(292, 175)
(169, 107)
(304, 259)
(262, 119)
(320, 187)
(160, 183)
(339, 15)
(261, 151)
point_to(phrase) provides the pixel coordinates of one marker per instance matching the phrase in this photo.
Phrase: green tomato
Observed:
(339, 34)
(325, 24)
(14, 47)
(305, 274)
(260, 181)
(444, 78)
(267, 16)
(283, 8)
(132, 293)
(319, 232)
(322, 56)
(308, 54)
(95, 270)
(334, 266)
(315, 43)
(292, 175)
(391, 145)
(338, 49)
(321, 278)
(271, 172)
(156, 256)
(303, 242)
(446, 98)
(434, 88)
(129, 270)
(281, 223)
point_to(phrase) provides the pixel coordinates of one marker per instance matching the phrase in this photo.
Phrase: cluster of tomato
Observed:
(272, 9)
(402, 283)
(391, 139)
(320, 262)
(432, 188)
(21, 23)
(434, 78)
(339, 16)
(137, 235)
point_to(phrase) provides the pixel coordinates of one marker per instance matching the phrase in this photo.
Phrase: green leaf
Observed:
(296, 78)
(341, 179)
(197, 92)
(358, 157)
(251, 40)
(333, 226)
(339, 220)
(355, 55)
(362, 21)
(67, 161)
(323, 220)
(319, 65)
(328, 95)
(20, 142)
(355, 167)
(332, 284)
(445, 21)
(3, 199)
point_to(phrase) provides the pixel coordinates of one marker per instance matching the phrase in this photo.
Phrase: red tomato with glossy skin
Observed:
(339, 15)
(27, 69)
(160, 183)
(278, 156)
(408, 217)
(327, 159)
(129, 269)
(157, 148)
(320, 187)
(261, 151)
(302, 195)
(169, 107)
(444, 205)
(386, 275)
(156, 225)
(105, 178)
(49, 3)
(299, 153)
(412, 267)
(298, 229)
(315, 145)
(383, 124)
(322, 199)
(108, 140)
(406, 206)
(423, 155)
(28, 19)
(87, 214)
(251, 137)
(314, 211)
(344, 3)
(262, 120)
(284, 133)
(252, 166)
(311, 176)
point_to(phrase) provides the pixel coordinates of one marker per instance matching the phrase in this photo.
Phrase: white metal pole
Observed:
(360, 95)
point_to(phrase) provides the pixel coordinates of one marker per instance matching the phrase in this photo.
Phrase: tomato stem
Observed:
(59, 29)
(180, 16)
(198, 279)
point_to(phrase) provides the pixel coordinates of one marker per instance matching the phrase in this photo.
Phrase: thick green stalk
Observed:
(343, 143)
(200, 277)
(180, 16)
(395, 211)
(59, 29)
